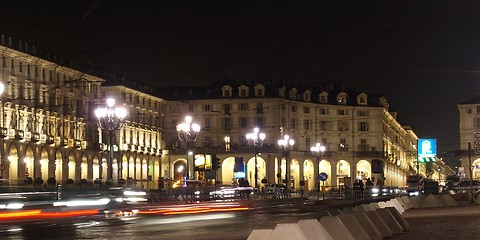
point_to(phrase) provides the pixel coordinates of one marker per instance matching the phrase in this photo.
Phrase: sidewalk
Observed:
(447, 223)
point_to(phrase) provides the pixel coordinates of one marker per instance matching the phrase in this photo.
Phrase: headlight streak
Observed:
(184, 219)
(39, 214)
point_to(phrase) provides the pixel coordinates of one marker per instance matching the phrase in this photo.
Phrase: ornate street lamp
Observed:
(255, 139)
(3, 131)
(188, 133)
(286, 144)
(110, 119)
(318, 151)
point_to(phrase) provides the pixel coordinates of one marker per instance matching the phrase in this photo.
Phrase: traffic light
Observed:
(215, 162)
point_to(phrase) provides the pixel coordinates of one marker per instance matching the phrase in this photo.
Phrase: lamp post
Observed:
(110, 119)
(318, 151)
(255, 139)
(286, 144)
(3, 132)
(188, 133)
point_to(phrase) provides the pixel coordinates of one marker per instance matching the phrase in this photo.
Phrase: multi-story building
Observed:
(469, 112)
(355, 128)
(48, 130)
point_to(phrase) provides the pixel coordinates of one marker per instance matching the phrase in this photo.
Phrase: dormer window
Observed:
(362, 99)
(306, 96)
(323, 97)
(342, 98)
(281, 92)
(226, 91)
(243, 91)
(259, 90)
(293, 94)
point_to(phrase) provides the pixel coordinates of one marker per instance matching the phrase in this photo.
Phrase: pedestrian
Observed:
(360, 183)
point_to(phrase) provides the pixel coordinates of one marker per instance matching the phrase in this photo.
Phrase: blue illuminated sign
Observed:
(427, 148)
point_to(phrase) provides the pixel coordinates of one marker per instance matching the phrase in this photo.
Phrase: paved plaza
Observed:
(462, 222)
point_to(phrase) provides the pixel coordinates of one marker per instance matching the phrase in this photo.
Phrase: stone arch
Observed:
(309, 174)
(71, 166)
(124, 166)
(326, 167)
(363, 170)
(228, 176)
(131, 167)
(261, 169)
(84, 166)
(96, 167)
(14, 166)
(343, 170)
(59, 166)
(295, 173)
(179, 171)
(46, 166)
(31, 169)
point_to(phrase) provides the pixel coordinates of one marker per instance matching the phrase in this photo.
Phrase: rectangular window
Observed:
(323, 125)
(226, 124)
(243, 106)
(324, 111)
(363, 145)
(207, 108)
(207, 123)
(20, 67)
(342, 126)
(12, 66)
(293, 123)
(306, 124)
(259, 107)
(362, 113)
(343, 145)
(294, 108)
(306, 110)
(469, 110)
(363, 126)
(477, 122)
(307, 143)
(259, 122)
(478, 109)
(226, 108)
(242, 122)
(341, 112)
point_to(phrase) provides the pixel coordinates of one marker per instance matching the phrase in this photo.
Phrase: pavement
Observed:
(443, 223)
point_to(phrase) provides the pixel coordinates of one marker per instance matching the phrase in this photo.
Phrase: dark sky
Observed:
(422, 55)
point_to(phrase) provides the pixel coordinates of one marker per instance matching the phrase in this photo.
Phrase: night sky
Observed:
(423, 56)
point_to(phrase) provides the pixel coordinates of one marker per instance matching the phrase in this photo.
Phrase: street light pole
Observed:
(110, 118)
(255, 139)
(188, 133)
(318, 151)
(286, 144)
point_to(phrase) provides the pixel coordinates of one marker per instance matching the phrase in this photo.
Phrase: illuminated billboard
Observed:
(427, 148)
(203, 162)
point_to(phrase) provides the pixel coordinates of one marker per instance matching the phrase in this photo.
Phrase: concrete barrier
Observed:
(262, 234)
(388, 218)
(391, 203)
(380, 224)
(322, 213)
(399, 218)
(347, 209)
(368, 225)
(382, 204)
(336, 228)
(407, 202)
(400, 200)
(358, 208)
(399, 205)
(366, 207)
(334, 211)
(357, 230)
(288, 231)
(313, 230)
(430, 201)
(416, 201)
(447, 200)
(374, 206)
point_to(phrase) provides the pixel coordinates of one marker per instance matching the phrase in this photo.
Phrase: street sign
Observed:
(323, 176)
(476, 140)
(2, 167)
